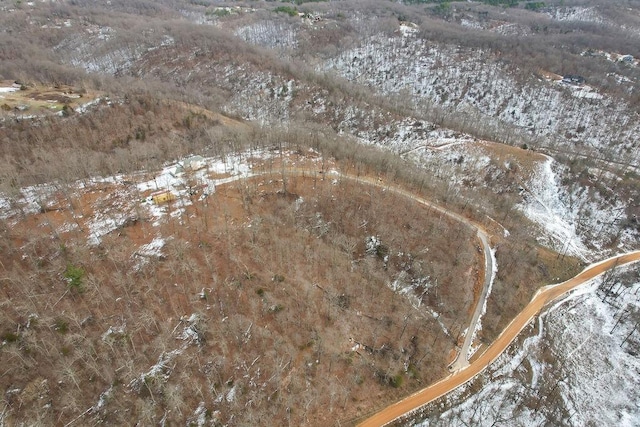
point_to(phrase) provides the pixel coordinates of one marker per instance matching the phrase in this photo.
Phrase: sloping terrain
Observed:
(262, 288)
(522, 119)
(566, 371)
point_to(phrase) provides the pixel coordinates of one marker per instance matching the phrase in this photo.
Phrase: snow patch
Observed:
(544, 206)
(114, 333)
(192, 331)
(152, 249)
(159, 372)
(231, 395)
(103, 399)
(478, 327)
(199, 417)
(408, 29)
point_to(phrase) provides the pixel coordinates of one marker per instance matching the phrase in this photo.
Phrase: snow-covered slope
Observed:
(477, 83)
(576, 220)
(578, 367)
(102, 49)
(543, 205)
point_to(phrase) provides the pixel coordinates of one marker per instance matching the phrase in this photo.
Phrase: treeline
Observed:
(134, 133)
(508, 3)
(553, 46)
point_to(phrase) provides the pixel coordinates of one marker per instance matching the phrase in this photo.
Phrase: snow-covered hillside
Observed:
(544, 205)
(477, 83)
(101, 49)
(575, 219)
(274, 35)
(534, 153)
(578, 367)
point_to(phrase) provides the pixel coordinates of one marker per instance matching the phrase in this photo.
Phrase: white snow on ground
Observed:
(595, 374)
(152, 249)
(114, 333)
(159, 372)
(30, 201)
(182, 184)
(274, 35)
(103, 399)
(582, 91)
(173, 180)
(477, 88)
(97, 51)
(262, 97)
(104, 224)
(493, 410)
(8, 89)
(86, 106)
(372, 243)
(178, 183)
(544, 206)
(478, 328)
(584, 14)
(439, 320)
(602, 372)
(232, 393)
(190, 332)
(199, 417)
(600, 215)
(408, 29)
(470, 24)
(407, 289)
(115, 209)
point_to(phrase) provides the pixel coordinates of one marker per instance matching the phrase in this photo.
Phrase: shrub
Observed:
(382, 251)
(9, 337)
(61, 326)
(74, 276)
(276, 308)
(291, 11)
(535, 6)
(66, 110)
(343, 301)
(396, 381)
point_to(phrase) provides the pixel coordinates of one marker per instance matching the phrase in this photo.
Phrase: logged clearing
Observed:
(264, 288)
(27, 100)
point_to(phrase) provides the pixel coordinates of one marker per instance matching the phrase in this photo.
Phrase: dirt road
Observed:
(543, 297)
(462, 360)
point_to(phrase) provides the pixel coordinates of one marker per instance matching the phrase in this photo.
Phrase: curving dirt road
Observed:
(461, 361)
(543, 297)
(463, 371)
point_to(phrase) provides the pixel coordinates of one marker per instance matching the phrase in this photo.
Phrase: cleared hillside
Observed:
(311, 293)
(181, 244)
